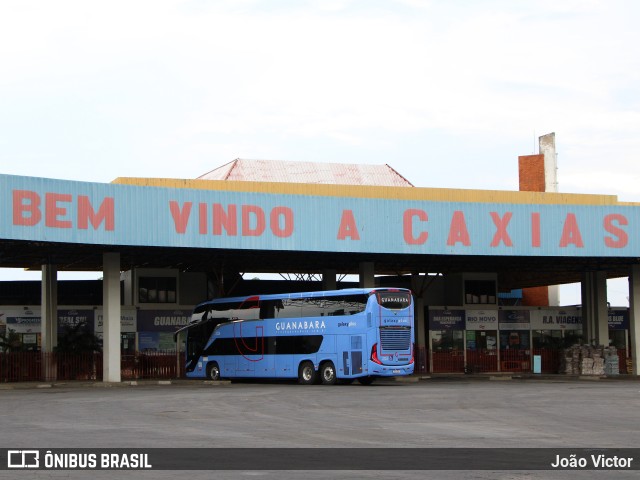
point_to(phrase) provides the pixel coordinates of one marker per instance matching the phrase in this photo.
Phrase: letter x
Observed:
(501, 229)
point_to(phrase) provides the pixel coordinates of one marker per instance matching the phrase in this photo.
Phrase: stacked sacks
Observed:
(611, 361)
(589, 360)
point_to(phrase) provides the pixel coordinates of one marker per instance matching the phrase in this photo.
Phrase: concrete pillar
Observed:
(367, 275)
(49, 305)
(49, 321)
(602, 326)
(329, 280)
(420, 326)
(587, 313)
(111, 311)
(595, 312)
(634, 317)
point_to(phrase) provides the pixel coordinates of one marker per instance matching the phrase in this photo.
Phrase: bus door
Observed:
(356, 354)
(250, 344)
(350, 354)
(265, 364)
(283, 356)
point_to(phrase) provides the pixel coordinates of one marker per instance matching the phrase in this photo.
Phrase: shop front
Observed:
(156, 329)
(553, 330)
(446, 334)
(128, 329)
(515, 340)
(619, 336)
(481, 341)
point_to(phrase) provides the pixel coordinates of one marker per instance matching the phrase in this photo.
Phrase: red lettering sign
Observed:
(223, 219)
(26, 214)
(571, 232)
(535, 229)
(458, 232)
(409, 238)
(501, 234)
(202, 218)
(54, 212)
(106, 214)
(623, 238)
(180, 216)
(257, 213)
(274, 219)
(348, 226)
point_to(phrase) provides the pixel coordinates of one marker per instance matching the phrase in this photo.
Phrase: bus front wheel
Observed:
(328, 373)
(306, 373)
(213, 371)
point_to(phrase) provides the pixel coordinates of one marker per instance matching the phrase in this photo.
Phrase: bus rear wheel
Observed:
(328, 373)
(306, 373)
(213, 371)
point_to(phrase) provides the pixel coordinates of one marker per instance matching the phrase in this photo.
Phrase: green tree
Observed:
(77, 339)
(10, 341)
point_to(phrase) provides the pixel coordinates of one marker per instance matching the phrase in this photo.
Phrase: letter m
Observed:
(86, 214)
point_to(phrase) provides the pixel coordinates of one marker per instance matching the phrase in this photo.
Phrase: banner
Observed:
(23, 462)
(446, 319)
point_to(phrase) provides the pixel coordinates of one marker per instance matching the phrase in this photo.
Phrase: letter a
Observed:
(348, 226)
(458, 231)
(571, 232)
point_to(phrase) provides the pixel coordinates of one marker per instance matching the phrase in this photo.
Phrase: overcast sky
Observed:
(448, 93)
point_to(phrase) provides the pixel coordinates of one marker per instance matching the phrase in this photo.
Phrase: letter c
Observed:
(407, 224)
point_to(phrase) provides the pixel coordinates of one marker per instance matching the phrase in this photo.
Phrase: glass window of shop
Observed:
(482, 341)
(482, 330)
(447, 340)
(556, 339)
(447, 329)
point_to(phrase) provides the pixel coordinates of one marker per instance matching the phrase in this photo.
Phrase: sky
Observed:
(447, 92)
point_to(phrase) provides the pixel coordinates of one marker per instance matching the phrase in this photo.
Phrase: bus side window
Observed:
(267, 308)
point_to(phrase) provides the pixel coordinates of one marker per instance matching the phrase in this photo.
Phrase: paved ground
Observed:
(435, 413)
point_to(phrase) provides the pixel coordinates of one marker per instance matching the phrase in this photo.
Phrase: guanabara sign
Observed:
(41, 209)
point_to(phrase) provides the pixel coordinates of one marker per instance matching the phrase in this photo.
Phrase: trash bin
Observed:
(537, 364)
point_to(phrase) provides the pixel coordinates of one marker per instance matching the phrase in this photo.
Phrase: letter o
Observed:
(274, 220)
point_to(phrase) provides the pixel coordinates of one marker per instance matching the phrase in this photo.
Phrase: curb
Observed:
(99, 384)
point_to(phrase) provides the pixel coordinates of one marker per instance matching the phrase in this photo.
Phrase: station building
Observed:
(479, 262)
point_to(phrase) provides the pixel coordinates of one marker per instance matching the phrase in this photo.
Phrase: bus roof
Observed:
(316, 294)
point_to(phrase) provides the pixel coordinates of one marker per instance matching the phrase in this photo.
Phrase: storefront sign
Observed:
(50, 210)
(71, 318)
(482, 319)
(553, 319)
(446, 319)
(155, 341)
(22, 320)
(514, 320)
(127, 320)
(619, 319)
(162, 320)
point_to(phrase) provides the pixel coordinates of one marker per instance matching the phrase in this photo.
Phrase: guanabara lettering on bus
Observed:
(316, 337)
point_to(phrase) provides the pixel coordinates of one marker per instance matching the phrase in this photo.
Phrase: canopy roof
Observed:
(280, 171)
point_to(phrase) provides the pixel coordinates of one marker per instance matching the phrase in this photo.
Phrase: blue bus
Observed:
(316, 337)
